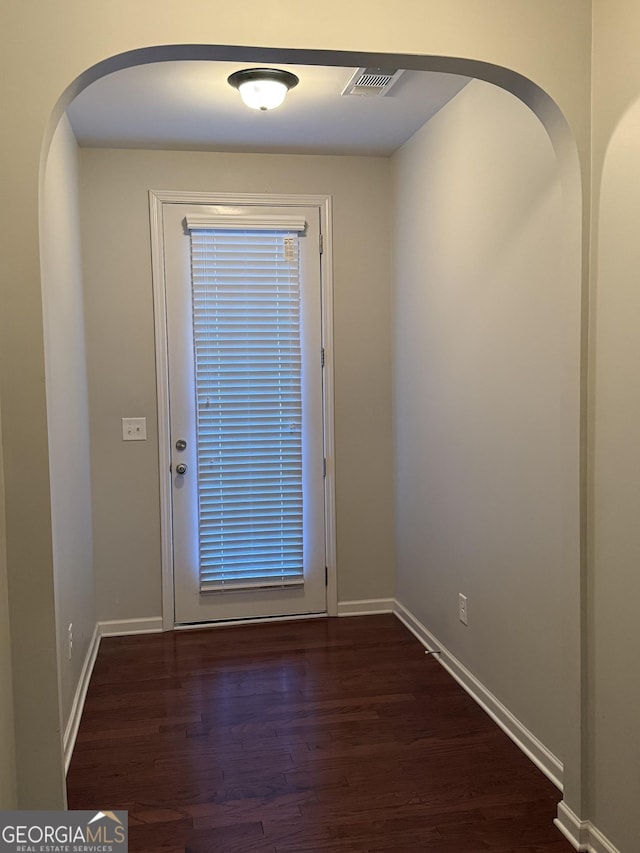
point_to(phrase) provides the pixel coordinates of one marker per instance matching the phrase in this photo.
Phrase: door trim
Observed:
(157, 198)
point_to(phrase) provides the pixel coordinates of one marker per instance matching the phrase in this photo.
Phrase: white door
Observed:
(244, 330)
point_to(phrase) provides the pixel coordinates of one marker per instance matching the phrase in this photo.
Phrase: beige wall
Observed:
(487, 402)
(45, 48)
(120, 348)
(615, 508)
(7, 752)
(67, 410)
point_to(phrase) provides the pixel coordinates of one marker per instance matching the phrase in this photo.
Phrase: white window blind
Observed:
(246, 324)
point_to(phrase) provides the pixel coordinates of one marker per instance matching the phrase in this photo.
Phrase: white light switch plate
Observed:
(134, 429)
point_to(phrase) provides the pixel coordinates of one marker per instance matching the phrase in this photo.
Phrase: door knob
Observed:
(181, 444)
(181, 468)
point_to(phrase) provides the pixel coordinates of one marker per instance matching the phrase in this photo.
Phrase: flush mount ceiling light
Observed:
(263, 88)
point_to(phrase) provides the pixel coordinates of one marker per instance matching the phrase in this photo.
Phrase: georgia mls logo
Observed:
(63, 832)
(102, 832)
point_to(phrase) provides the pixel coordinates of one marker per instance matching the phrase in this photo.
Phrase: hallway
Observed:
(319, 735)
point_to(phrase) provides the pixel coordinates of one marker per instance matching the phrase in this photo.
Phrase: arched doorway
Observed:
(560, 138)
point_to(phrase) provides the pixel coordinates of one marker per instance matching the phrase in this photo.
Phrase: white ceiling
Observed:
(190, 105)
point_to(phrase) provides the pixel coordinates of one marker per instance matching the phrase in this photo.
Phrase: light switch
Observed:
(134, 429)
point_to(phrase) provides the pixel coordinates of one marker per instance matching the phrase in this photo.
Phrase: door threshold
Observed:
(255, 620)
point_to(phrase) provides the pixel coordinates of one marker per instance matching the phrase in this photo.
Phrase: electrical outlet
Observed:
(462, 608)
(70, 638)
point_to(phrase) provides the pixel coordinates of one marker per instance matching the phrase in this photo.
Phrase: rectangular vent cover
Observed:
(372, 82)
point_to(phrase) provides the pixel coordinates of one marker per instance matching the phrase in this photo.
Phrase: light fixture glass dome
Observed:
(263, 88)
(262, 94)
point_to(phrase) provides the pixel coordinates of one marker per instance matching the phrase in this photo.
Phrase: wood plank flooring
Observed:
(322, 735)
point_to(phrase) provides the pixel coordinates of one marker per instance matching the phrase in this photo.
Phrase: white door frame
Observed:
(157, 198)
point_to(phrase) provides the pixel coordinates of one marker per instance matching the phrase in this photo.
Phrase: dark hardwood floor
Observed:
(320, 735)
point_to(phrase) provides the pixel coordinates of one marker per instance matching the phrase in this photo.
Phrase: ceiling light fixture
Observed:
(263, 88)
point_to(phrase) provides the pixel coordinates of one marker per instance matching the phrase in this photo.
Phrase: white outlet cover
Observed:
(134, 429)
(462, 609)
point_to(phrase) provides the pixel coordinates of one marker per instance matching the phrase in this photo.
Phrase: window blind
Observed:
(246, 329)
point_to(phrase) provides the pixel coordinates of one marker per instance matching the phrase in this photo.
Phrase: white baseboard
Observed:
(576, 831)
(103, 629)
(124, 627)
(71, 730)
(366, 607)
(115, 628)
(582, 834)
(598, 843)
(534, 749)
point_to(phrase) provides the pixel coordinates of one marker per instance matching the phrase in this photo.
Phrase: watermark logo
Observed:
(64, 832)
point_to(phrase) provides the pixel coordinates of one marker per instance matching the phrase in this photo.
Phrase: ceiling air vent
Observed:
(372, 82)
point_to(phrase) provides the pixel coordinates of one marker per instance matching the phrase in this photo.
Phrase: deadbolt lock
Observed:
(181, 468)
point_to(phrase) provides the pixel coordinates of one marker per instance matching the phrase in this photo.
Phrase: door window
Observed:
(248, 388)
